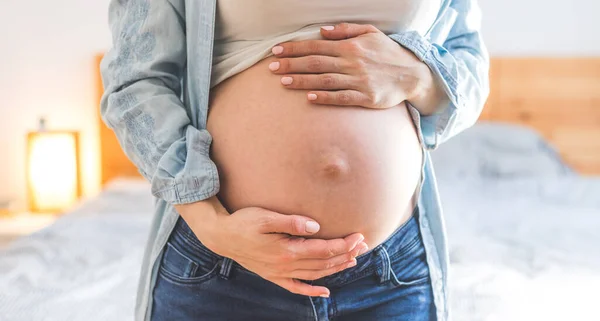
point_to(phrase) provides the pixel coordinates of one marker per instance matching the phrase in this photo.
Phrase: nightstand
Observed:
(16, 225)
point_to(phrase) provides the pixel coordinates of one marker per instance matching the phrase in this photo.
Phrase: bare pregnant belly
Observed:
(351, 169)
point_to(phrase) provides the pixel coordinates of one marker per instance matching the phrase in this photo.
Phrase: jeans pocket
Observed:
(179, 268)
(410, 267)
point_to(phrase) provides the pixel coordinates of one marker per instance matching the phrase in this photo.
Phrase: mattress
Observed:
(83, 267)
(522, 228)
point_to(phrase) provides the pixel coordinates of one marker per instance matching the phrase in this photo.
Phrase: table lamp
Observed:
(53, 178)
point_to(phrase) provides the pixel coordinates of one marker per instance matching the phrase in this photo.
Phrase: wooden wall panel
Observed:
(487, 112)
(559, 97)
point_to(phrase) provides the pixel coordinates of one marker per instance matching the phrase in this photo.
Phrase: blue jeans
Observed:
(389, 282)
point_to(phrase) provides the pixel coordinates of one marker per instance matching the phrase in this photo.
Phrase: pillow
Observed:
(500, 151)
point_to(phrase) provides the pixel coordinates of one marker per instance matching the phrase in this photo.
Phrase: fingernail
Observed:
(287, 80)
(277, 50)
(324, 295)
(312, 227)
(351, 264)
(328, 28)
(312, 97)
(274, 65)
(364, 249)
(360, 239)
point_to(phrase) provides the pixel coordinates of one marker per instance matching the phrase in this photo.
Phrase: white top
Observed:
(246, 30)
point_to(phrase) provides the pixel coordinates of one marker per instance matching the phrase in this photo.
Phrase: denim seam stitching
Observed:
(176, 280)
(313, 308)
(191, 266)
(365, 273)
(397, 282)
(201, 248)
(373, 269)
(385, 265)
(397, 231)
(334, 310)
(406, 249)
(241, 269)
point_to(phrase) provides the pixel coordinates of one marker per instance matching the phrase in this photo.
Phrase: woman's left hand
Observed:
(357, 65)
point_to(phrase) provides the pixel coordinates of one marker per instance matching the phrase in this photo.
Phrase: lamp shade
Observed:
(53, 180)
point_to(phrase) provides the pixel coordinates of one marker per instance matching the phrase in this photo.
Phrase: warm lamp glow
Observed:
(53, 177)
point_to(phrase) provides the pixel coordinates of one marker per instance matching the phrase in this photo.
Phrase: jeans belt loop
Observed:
(226, 268)
(384, 269)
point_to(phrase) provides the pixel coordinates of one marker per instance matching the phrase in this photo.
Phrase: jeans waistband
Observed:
(373, 262)
(182, 230)
(377, 260)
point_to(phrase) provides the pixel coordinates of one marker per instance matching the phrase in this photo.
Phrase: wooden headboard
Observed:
(113, 162)
(559, 97)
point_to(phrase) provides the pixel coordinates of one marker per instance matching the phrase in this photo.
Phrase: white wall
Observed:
(542, 27)
(46, 63)
(47, 50)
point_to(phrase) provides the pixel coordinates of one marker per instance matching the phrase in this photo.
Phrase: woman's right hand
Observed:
(273, 245)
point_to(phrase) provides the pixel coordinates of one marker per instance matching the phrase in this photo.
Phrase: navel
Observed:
(333, 164)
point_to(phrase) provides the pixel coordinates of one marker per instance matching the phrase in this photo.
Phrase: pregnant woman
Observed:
(286, 143)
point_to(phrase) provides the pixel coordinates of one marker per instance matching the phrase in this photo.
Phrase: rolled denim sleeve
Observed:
(460, 64)
(142, 76)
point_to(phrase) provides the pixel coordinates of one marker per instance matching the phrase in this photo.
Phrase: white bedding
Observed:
(524, 250)
(523, 232)
(523, 228)
(83, 267)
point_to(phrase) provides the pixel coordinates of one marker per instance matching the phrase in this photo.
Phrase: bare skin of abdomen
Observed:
(351, 169)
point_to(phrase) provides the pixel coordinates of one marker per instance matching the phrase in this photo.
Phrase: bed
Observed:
(522, 225)
(83, 267)
(523, 228)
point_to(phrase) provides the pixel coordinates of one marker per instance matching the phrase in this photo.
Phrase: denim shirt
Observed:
(157, 78)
